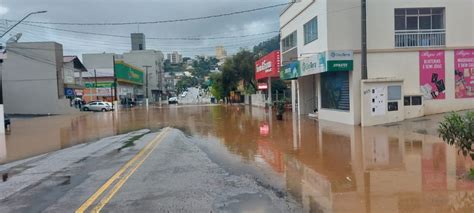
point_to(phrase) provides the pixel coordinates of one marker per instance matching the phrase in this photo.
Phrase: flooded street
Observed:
(326, 167)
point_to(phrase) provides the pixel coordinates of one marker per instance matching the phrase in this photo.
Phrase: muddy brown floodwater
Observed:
(326, 166)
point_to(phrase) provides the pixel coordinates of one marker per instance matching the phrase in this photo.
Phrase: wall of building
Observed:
(155, 72)
(405, 65)
(381, 21)
(370, 118)
(98, 60)
(30, 79)
(295, 18)
(343, 25)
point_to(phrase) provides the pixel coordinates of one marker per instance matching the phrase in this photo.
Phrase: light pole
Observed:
(146, 86)
(29, 14)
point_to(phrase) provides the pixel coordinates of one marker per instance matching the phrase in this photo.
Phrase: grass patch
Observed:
(131, 141)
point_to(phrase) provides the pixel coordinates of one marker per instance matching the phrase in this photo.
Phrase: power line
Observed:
(158, 21)
(152, 38)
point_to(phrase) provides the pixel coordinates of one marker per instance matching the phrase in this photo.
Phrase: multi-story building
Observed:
(151, 61)
(175, 58)
(33, 79)
(221, 53)
(419, 58)
(99, 80)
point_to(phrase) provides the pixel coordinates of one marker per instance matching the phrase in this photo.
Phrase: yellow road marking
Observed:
(144, 151)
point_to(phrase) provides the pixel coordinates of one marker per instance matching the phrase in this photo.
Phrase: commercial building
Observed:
(99, 80)
(175, 58)
(138, 41)
(419, 59)
(154, 61)
(33, 79)
(266, 69)
(73, 81)
(221, 53)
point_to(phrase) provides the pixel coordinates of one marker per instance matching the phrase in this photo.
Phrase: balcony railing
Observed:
(420, 38)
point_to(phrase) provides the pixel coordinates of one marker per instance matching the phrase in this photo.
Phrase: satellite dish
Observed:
(14, 39)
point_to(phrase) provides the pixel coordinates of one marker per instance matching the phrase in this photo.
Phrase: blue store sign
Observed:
(68, 91)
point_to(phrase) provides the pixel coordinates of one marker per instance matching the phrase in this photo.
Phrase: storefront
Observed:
(321, 82)
(103, 90)
(130, 81)
(266, 69)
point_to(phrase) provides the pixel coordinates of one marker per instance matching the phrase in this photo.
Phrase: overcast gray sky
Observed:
(145, 10)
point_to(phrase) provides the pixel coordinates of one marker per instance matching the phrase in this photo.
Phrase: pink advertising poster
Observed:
(432, 74)
(464, 73)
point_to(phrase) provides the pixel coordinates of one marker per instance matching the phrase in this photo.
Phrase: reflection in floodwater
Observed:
(327, 167)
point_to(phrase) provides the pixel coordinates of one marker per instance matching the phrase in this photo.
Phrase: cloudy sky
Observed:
(144, 10)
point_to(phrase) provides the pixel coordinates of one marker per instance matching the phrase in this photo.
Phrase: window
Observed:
(419, 27)
(335, 90)
(311, 30)
(415, 100)
(394, 93)
(392, 106)
(419, 19)
(289, 41)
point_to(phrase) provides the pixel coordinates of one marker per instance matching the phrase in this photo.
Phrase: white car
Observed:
(97, 106)
(173, 100)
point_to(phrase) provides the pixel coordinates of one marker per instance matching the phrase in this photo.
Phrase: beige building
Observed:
(175, 57)
(221, 53)
(418, 59)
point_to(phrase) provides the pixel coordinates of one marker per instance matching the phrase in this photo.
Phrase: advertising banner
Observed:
(432, 74)
(99, 84)
(340, 60)
(290, 71)
(314, 64)
(268, 66)
(464, 73)
(128, 73)
(262, 86)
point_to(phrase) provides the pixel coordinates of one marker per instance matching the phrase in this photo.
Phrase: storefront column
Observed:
(294, 95)
(270, 91)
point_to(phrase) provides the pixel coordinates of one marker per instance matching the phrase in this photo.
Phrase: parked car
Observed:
(184, 94)
(173, 100)
(7, 122)
(97, 106)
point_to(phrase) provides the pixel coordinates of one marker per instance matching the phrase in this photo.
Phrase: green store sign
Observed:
(290, 71)
(128, 73)
(340, 65)
(99, 84)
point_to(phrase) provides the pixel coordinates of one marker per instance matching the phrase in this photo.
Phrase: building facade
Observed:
(33, 79)
(99, 80)
(154, 59)
(419, 59)
(175, 58)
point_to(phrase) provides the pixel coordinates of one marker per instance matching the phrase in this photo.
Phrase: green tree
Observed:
(267, 46)
(186, 82)
(458, 131)
(217, 86)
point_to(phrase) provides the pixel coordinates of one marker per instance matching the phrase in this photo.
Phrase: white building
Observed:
(175, 58)
(33, 79)
(414, 48)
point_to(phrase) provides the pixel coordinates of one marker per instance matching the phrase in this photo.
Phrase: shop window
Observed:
(335, 91)
(394, 93)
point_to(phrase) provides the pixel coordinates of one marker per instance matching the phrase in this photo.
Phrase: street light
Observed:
(29, 14)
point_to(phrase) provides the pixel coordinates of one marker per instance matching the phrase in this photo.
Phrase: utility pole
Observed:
(363, 53)
(146, 86)
(28, 15)
(96, 86)
(115, 81)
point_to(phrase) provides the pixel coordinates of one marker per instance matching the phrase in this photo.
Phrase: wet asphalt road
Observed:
(228, 158)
